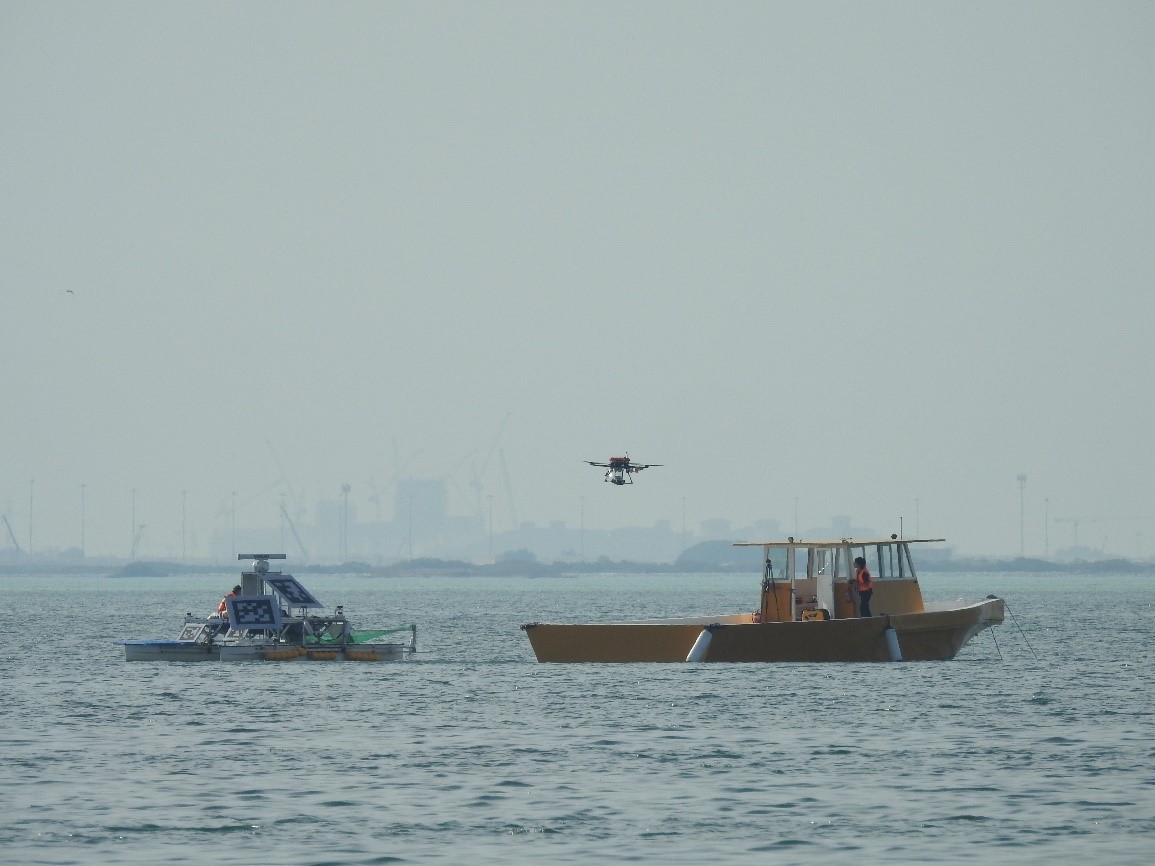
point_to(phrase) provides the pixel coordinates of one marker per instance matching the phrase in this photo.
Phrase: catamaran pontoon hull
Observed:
(185, 651)
(929, 636)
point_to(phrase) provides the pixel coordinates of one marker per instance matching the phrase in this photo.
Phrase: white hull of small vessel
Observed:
(186, 651)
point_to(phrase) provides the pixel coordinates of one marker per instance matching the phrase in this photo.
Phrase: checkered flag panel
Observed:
(288, 588)
(191, 631)
(253, 611)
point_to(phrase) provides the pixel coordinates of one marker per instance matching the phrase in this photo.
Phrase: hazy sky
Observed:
(852, 255)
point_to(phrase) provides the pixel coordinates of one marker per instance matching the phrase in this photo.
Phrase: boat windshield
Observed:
(887, 558)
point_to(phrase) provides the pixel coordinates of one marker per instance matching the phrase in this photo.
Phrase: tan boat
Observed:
(808, 612)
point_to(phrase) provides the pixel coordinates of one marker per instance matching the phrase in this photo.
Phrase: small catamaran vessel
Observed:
(808, 612)
(260, 624)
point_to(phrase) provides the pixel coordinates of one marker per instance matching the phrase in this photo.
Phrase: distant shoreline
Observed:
(526, 568)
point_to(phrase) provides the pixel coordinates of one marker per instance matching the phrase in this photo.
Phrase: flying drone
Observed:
(620, 470)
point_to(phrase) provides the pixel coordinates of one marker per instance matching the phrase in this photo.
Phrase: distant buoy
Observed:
(701, 645)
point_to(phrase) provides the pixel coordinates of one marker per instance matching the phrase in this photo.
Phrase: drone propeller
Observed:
(621, 468)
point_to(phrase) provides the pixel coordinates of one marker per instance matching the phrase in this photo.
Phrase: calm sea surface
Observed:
(474, 753)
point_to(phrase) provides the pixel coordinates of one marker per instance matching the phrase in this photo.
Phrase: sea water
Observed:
(1035, 748)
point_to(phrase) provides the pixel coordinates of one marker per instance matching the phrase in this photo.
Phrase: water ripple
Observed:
(475, 753)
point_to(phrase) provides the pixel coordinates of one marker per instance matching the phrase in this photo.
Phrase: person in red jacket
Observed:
(863, 585)
(222, 608)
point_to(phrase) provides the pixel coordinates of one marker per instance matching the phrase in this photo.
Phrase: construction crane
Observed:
(136, 540)
(11, 534)
(1075, 521)
(508, 488)
(293, 529)
(379, 492)
(475, 482)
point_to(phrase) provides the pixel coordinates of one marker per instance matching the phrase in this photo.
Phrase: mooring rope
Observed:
(1019, 627)
(996, 640)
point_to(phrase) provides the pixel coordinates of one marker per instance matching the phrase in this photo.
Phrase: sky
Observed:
(815, 258)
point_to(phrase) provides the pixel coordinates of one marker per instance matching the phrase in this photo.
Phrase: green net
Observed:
(356, 636)
(371, 634)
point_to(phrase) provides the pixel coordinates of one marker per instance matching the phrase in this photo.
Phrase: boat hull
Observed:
(170, 651)
(933, 635)
(187, 651)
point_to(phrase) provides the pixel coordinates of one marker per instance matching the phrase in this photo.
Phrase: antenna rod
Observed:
(1022, 479)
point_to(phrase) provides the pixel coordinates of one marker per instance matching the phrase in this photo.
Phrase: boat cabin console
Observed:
(808, 580)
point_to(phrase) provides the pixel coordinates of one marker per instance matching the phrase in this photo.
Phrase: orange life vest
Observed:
(223, 608)
(863, 582)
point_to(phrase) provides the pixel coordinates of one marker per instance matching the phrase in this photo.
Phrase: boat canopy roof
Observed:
(841, 542)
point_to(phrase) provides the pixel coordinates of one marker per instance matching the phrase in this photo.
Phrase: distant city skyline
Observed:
(380, 529)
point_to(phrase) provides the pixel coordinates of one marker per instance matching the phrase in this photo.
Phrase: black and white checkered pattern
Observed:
(253, 611)
(288, 587)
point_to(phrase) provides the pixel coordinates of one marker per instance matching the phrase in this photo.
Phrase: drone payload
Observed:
(620, 470)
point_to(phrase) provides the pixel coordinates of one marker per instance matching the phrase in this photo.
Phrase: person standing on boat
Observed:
(863, 585)
(223, 608)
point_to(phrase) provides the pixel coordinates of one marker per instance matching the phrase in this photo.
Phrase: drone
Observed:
(620, 470)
